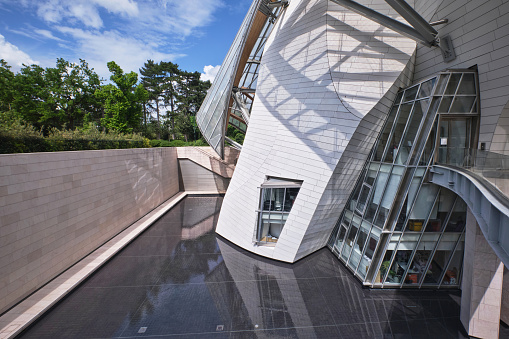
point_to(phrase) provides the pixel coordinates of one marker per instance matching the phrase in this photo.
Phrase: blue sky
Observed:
(195, 34)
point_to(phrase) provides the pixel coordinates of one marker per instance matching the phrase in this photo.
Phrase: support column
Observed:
(483, 272)
(504, 312)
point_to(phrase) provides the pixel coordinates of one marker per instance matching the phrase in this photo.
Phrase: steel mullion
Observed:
(425, 224)
(407, 126)
(438, 243)
(450, 259)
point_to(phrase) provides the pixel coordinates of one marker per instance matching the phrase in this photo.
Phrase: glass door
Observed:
(454, 140)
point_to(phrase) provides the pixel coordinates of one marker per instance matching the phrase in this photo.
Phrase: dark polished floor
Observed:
(179, 280)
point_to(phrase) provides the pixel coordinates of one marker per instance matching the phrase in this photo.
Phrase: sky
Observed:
(195, 34)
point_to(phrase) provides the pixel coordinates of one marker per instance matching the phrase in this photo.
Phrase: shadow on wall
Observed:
(326, 120)
(145, 176)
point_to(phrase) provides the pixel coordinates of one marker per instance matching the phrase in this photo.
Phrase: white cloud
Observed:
(98, 48)
(13, 55)
(84, 11)
(209, 72)
(47, 34)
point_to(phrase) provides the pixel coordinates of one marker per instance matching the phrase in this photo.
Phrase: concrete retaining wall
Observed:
(55, 208)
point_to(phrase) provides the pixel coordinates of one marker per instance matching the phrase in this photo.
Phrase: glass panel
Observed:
(418, 267)
(372, 171)
(213, 109)
(443, 141)
(390, 193)
(376, 197)
(458, 138)
(415, 121)
(422, 207)
(368, 254)
(442, 82)
(430, 146)
(412, 192)
(426, 88)
(445, 104)
(462, 105)
(398, 132)
(341, 237)
(363, 196)
(410, 93)
(384, 268)
(291, 195)
(263, 228)
(467, 84)
(266, 198)
(347, 247)
(440, 210)
(452, 275)
(440, 259)
(385, 134)
(398, 267)
(354, 196)
(458, 216)
(453, 83)
(474, 107)
(276, 226)
(359, 245)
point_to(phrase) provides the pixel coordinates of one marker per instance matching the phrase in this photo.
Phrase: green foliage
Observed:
(19, 137)
(177, 143)
(69, 96)
(176, 93)
(55, 97)
(235, 134)
(6, 89)
(122, 101)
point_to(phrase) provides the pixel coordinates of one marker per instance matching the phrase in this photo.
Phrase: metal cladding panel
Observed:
(322, 93)
(211, 118)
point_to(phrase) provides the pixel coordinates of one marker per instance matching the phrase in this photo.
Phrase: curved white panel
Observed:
(328, 78)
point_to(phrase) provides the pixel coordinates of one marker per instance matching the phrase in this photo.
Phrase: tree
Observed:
(122, 100)
(31, 95)
(152, 78)
(6, 86)
(72, 87)
(191, 93)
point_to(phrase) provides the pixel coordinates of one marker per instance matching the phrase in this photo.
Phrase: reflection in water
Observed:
(178, 277)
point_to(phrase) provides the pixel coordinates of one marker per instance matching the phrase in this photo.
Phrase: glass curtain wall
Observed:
(212, 114)
(397, 229)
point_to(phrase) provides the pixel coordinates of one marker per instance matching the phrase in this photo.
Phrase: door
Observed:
(454, 140)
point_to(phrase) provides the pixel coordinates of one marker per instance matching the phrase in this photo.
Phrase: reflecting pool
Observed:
(179, 279)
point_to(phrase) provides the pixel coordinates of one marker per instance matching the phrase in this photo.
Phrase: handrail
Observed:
(491, 166)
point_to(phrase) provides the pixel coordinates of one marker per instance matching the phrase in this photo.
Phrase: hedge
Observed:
(9, 144)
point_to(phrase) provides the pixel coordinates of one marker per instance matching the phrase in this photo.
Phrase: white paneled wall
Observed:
(327, 79)
(55, 208)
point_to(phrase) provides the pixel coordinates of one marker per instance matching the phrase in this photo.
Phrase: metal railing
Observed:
(493, 167)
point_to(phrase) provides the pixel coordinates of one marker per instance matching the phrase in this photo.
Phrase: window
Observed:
(277, 199)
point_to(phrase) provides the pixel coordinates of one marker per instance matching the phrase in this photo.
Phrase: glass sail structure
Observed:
(231, 95)
(398, 229)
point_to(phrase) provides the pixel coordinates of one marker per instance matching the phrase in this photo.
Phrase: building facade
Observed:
(365, 122)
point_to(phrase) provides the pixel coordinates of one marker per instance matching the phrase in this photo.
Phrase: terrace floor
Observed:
(178, 279)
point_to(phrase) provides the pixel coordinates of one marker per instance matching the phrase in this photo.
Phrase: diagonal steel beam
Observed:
(414, 19)
(237, 97)
(386, 21)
